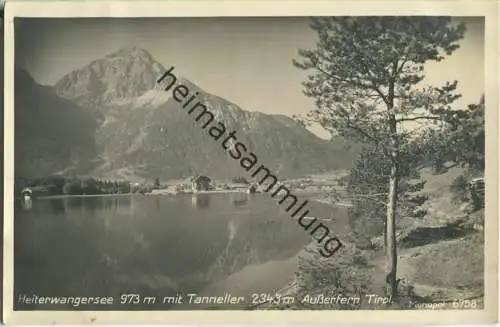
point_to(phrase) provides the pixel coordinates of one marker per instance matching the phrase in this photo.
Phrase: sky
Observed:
(247, 61)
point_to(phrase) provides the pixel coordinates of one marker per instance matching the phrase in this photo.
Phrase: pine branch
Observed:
(418, 118)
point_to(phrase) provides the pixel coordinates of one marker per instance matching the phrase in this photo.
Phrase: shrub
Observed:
(348, 275)
(72, 187)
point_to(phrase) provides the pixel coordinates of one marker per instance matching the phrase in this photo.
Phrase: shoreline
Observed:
(167, 193)
(200, 192)
(64, 196)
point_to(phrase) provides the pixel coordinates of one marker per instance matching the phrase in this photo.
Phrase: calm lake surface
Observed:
(153, 245)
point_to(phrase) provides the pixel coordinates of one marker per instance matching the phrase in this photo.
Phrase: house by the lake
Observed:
(26, 193)
(35, 191)
(252, 189)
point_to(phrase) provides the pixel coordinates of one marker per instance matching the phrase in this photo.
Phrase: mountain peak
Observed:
(126, 73)
(132, 52)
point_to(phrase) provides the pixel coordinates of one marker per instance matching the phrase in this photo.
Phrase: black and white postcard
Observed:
(237, 161)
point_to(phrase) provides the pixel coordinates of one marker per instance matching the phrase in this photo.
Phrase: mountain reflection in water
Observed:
(152, 245)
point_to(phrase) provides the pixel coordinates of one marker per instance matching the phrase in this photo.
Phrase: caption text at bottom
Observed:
(228, 299)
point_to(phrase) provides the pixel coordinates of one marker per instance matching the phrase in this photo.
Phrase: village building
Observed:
(27, 193)
(35, 191)
(252, 189)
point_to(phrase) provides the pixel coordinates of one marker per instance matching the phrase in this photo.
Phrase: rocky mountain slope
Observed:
(144, 133)
(51, 133)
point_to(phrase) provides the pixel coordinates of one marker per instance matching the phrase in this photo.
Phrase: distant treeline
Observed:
(59, 185)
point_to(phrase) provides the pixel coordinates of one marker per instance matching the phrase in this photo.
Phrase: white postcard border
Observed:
(208, 8)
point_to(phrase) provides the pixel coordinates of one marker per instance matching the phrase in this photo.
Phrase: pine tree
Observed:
(365, 75)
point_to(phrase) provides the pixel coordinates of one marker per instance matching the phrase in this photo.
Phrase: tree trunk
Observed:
(385, 233)
(390, 223)
(390, 232)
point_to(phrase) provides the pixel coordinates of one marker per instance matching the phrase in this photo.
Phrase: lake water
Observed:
(154, 246)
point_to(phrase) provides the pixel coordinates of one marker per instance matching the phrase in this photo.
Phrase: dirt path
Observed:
(438, 277)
